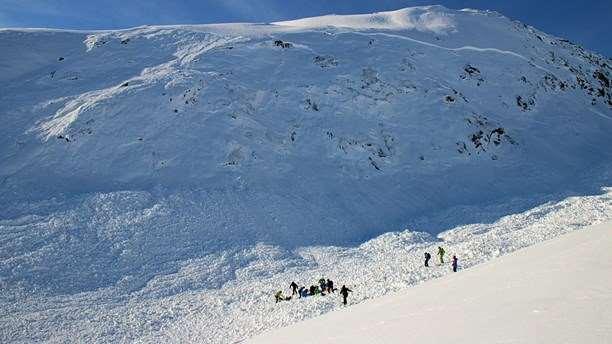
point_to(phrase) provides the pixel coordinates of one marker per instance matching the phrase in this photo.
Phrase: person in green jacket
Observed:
(279, 296)
(441, 254)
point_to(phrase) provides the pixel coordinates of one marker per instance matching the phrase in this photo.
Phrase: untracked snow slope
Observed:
(559, 291)
(154, 180)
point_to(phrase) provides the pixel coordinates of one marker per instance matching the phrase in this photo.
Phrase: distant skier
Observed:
(427, 258)
(330, 286)
(344, 292)
(455, 263)
(441, 254)
(294, 288)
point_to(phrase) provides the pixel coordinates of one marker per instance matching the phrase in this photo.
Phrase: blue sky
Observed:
(586, 22)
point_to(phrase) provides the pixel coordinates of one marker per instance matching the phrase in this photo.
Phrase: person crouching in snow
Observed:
(455, 263)
(330, 286)
(279, 297)
(322, 285)
(303, 292)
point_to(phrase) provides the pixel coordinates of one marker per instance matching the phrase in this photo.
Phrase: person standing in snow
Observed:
(441, 254)
(344, 292)
(330, 286)
(455, 263)
(294, 288)
(427, 258)
(303, 292)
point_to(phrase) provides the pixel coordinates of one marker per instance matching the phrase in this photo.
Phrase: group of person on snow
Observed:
(441, 253)
(324, 287)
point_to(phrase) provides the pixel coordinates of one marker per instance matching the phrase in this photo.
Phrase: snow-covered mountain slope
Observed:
(198, 168)
(555, 292)
(348, 123)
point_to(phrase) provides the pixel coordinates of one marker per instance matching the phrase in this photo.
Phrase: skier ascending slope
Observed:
(344, 292)
(455, 263)
(427, 258)
(441, 254)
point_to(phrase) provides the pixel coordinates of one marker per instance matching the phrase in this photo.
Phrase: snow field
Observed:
(227, 295)
(553, 292)
(160, 183)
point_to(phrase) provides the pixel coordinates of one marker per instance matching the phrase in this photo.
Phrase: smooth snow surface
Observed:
(418, 18)
(559, 291)
(159, 183)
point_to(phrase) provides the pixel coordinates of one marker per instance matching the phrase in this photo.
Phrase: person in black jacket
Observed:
(313, 290)
(427, 258)
(294, 288)
(303, 292)
(344, 292)
(330, 286)
(455, 263)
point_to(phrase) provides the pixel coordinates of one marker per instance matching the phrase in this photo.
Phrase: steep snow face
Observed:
(134, 160)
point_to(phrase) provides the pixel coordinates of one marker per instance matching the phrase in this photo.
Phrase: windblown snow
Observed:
(158, 184)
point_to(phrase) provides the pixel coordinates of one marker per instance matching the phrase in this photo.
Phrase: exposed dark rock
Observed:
(282, 44)
(525, 104)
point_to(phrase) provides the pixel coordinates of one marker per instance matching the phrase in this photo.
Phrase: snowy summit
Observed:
(161, 183)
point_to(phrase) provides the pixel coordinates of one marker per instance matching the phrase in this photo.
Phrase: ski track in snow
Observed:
(464, 48)
(600, 114)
